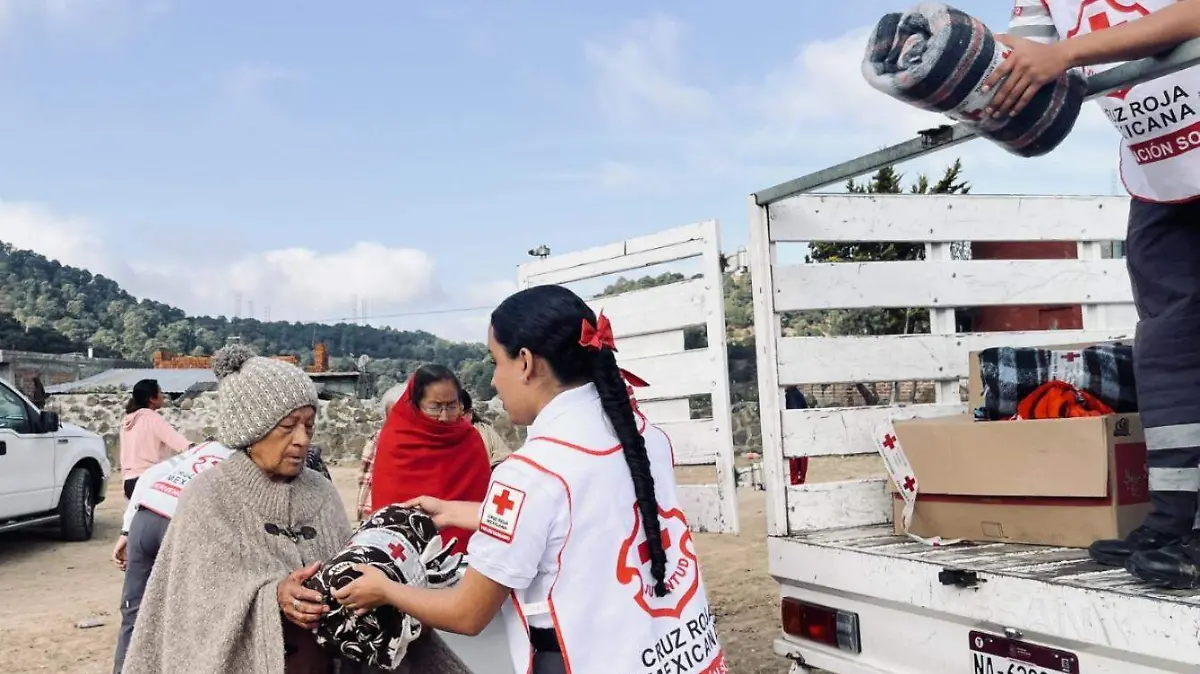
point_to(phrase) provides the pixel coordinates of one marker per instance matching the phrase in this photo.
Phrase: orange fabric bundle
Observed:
(1060, 400)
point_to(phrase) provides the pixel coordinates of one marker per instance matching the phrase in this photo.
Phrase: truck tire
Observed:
(77, 506)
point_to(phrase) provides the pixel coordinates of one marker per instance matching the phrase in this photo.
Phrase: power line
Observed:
(405, 314)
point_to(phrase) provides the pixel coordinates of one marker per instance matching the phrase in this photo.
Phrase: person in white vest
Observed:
(1159, 123)
(150, 509)
(581, 542)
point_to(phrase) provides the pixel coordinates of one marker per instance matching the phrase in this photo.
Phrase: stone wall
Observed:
(343, 425)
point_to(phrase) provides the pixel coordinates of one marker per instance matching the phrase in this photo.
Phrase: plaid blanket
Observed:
(1010, 374)
(936, 58)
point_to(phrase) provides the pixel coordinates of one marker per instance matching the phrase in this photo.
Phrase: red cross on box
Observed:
(910, 484)
(644, 548)
(503, 502)
(889, 441)
(397, 551)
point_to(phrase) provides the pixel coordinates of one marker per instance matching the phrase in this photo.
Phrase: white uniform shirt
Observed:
(158, 488)
(1159, 120)
(560, 526)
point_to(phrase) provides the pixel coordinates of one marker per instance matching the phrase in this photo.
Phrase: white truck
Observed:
(855, 597)
(50, 473)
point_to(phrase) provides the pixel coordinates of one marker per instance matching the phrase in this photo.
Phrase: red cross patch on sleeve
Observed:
(501, 510)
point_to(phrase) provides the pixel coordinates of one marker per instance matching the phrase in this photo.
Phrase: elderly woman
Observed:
(225, 594)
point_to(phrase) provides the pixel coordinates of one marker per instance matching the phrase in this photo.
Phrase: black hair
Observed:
(548, 321)
(468, 405)
(143, 392)
(428, 375)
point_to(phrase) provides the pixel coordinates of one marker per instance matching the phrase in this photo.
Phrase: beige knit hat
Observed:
(255, 393)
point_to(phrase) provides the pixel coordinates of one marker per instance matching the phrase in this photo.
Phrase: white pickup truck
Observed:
(50, 473)
(855, 597)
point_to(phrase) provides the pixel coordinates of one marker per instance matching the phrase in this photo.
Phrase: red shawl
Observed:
(419, 456)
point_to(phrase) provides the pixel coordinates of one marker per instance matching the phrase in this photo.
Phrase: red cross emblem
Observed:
(1071, 357)
(889, 441)
(910, 484)
(503, 502)
(644, 548)
(397, 551)
(1097, 17)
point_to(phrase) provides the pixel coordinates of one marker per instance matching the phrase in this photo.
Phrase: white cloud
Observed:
(811, 112)
(248, 80)
(94, 15)
(639, 74)
(295, 283)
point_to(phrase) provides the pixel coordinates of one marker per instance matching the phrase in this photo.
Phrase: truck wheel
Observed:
(77, 506)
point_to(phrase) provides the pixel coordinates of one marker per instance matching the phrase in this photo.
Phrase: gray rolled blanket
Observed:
(936, 57)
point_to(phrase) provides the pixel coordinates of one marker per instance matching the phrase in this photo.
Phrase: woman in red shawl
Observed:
(427, 447)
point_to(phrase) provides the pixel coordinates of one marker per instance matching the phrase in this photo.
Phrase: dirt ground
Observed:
(50, 587)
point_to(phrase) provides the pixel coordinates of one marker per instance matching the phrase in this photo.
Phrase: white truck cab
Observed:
(50, 473)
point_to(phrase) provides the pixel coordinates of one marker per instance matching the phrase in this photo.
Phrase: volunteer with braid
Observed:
(581, 542)
(1161, 170)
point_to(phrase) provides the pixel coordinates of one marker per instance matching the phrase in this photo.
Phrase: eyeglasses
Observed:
(453, 409)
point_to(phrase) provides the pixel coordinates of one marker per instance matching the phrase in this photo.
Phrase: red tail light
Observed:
(797, 469)
(838, 629)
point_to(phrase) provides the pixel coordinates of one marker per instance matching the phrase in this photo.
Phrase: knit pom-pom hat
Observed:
(255, 394)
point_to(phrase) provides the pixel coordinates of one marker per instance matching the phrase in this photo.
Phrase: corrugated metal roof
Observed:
(171, 381)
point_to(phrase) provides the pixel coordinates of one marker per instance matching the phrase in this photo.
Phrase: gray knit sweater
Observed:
(210, 605)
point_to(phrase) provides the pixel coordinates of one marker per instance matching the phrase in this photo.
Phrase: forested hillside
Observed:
(46, 306)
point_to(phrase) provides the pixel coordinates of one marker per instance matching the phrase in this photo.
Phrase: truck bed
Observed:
(1051, 596)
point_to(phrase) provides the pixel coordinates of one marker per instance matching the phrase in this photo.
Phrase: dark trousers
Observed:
(145, 538)
(548, 663)
(1164, 267)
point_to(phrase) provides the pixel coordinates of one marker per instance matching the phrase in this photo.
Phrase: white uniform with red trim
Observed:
(560, 526)
(1159, 121)
(158, 488)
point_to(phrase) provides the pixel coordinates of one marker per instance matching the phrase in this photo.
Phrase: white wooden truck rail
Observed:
(649, 327)
(937, 283)
(832, 543)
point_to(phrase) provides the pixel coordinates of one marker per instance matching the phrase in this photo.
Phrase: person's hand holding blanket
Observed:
(299, 604)
(1031, 65)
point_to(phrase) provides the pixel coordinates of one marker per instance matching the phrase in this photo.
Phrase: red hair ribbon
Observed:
(632, 380)
(599, 336)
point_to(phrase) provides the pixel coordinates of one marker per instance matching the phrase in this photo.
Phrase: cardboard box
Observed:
(1062, 482)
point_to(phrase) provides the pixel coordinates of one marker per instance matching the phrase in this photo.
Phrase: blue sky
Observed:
(311, 155)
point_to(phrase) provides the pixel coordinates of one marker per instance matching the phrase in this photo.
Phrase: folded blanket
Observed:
(936, 57)
(1010, 375)
(404, 544)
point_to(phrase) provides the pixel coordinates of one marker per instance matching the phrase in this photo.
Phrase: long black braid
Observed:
(547, 320)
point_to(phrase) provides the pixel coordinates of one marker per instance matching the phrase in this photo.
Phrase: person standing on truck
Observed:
(146, 438)
(582, 544)
(1160, 125)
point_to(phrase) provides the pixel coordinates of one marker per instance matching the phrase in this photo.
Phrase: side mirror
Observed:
(48, 422)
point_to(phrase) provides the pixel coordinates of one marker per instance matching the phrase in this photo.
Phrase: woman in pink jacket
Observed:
(146, 438)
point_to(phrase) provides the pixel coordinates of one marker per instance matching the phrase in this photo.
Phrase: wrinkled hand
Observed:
(1029, 67)
(299, 604)
(365, 592)
(118, 553)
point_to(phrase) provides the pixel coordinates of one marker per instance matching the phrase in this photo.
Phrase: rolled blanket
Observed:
(936, 57)
(404, 544)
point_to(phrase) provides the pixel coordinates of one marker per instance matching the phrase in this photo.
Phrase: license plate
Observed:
(992, 654)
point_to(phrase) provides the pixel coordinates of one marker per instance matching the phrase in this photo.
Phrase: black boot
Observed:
(1176, 566)
(1117, 552)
